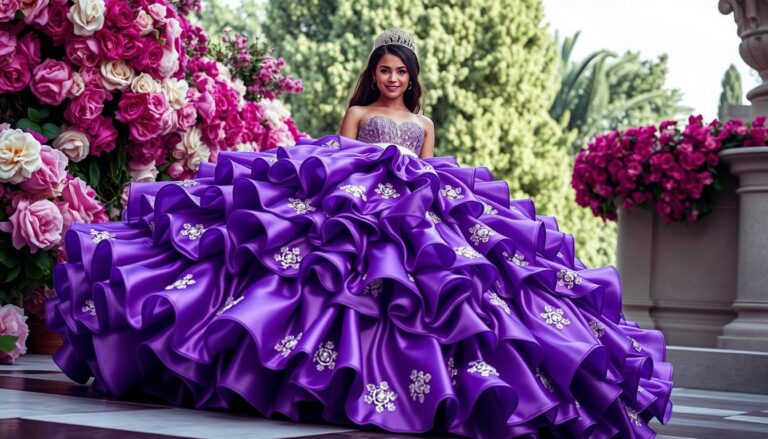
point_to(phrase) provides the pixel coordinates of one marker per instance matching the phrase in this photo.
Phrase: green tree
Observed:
(604, 91)
(489, 67)
(732, 91)
(242, 16)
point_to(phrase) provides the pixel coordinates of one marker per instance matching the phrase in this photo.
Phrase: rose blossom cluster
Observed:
(13, 323)
(41, 199)
(666, 169)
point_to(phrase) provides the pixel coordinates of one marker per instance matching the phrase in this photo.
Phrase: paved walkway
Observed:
(38, 401)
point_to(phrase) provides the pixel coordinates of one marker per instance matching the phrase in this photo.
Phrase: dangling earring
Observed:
(373, 85)
(410, 85)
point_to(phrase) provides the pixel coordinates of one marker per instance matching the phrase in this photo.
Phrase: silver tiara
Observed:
(395, 36)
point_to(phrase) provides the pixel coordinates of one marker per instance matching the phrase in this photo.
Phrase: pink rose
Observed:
(157, 105)
(83, 51)
(29, 46)
(111, 44)
(158, 12)
(14, 75)
(7, 44)
(131, 106)
(151, 55)
(184, 118)
(51, 81)
(35, 301)
(132, 46)
(49, 178)
(175, 170)
(58, 26)
(119, 14)
(8, 9)
(103, 136)
(35, 11)
(37, 225)
(206, 106)
(84, 109)
(81, 204)
(146, 127)
(13, 322)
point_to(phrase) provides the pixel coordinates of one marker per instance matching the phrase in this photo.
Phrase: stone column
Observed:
(749, 331)
(752, 20)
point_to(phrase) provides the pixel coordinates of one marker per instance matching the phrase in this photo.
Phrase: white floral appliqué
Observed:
(467, 252)
(598, 330)
(325, 356)
(288, 343)
(89, 307)
(333, 144)
(288, 257)
(555, 317)
(381, 396)
(482, 368)
(182, 283)
(568, 278)
(192, 232)
(452, 371)
(97, 236)
(187, 182)
(374, 288)
(498, 301)
(419, 386)
(451, 193)
(635, 345)
(633, 416)
(230, 302)
(301, 207)
(356, 190)
(488, 209)
(480, 233)
(517, 259)
(386, 191)
(432, 216)
(545, 380)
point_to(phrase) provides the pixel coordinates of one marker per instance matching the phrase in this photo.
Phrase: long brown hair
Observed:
(366, 94)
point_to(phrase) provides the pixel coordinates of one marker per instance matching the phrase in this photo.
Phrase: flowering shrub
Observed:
(669, 170)
(13, 333)
(98, 93)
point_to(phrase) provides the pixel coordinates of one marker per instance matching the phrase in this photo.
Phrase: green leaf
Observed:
(26, 124)
(42, 259)
(94, 174)
(51, 131)
(13, 273)
(38, 115)
(33, 271)
(19, 15)
(8, 259)
(8, 343)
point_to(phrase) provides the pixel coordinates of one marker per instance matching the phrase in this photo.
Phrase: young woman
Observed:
(357, 279)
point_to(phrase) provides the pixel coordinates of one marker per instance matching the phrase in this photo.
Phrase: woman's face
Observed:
(391, 76)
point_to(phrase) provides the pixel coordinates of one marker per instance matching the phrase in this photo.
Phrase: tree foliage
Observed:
(732, 92)
(242, 16)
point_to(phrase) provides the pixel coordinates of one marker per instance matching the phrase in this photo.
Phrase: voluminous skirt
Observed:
(348, 282)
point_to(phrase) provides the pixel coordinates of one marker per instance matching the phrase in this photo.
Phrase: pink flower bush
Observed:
(37, 225)
(13, 322)
(666, 169)
(34, 304)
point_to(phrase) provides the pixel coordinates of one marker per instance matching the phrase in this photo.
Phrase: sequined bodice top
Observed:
(381, 129)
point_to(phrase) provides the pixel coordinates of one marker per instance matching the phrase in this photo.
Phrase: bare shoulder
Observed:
(426, 122)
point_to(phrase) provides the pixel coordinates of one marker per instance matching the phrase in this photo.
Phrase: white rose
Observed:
(169, 63)
(141, 172)
(176, 92)
(245, 147)
(87, 16)
(143, 83)
(116, 75)
(158, 12)
(192, 150)
(144, 23)
(274, 112)
(19, 156)
(78, 85)
(74, 144)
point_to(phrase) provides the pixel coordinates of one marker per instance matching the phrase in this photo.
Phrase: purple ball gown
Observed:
(350, 281)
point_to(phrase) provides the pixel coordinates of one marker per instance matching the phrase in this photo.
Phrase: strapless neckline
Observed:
(398, 124)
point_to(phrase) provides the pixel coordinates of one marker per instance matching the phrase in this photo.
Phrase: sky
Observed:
(700, 41)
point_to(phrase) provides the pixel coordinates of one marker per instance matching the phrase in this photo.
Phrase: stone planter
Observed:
(681, 278)
(750, 329)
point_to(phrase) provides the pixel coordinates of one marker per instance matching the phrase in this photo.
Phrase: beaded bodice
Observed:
(381, 129)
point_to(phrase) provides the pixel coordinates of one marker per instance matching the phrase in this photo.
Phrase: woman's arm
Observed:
(351, 121)
(428, 149)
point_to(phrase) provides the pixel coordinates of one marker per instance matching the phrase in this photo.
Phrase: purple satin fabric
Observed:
(399, 289)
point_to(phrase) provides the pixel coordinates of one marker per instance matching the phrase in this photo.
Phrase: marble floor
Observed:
(38, 401)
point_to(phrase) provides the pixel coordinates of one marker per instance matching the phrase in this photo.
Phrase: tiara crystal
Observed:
(395, 36)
